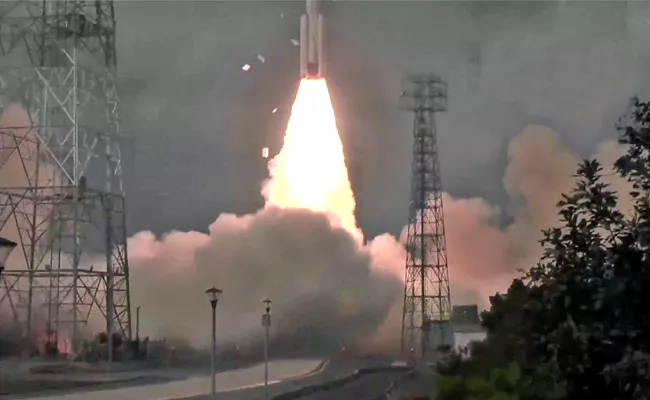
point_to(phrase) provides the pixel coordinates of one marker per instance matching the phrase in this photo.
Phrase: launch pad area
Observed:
(160, 383)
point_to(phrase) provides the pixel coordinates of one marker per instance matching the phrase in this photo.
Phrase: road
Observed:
(16, 380)
(368, 387)
(332, 371)
(233, 380)
(240, 388)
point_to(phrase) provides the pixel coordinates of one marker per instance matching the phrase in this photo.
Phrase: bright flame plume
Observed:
(310, 171)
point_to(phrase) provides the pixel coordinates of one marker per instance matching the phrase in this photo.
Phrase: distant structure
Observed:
(427, 302)
(465, 318)
(65, 203)
(467, 328)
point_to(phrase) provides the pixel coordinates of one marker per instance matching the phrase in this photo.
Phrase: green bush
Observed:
(575, 326)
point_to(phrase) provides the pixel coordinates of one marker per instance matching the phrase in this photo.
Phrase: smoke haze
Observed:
(316, 275)
(484, 258)
(328, 291)
(18, 160)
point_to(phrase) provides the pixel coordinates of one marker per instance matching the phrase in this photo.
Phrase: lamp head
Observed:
(213, 294)
(267, 302)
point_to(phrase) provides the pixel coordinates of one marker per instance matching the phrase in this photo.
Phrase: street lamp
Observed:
(213, 294)
(6, 247)
(266, 323)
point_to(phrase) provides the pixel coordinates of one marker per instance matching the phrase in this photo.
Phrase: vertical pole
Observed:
(110, 310)
(266, 363)
(137, 323)
(214, 349)
(266, 323)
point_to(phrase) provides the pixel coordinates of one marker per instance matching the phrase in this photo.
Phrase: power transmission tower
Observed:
(61, 195)
(427, 301)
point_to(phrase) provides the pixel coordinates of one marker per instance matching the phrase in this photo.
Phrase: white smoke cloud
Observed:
(319, 278)
(484, 257)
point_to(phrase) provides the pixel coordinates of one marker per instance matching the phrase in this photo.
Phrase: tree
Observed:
(577, 325)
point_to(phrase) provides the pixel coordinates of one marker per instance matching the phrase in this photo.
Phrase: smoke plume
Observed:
(327, 290)
(320, 281)
(483, 256)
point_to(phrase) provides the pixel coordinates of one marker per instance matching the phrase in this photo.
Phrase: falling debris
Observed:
(265, 152)
(274, 111)
(246, 67)
(295, 42)
(261, 58)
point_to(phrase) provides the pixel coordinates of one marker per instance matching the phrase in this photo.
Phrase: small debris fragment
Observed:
(274, 111)
(265, 152)
(261, 58)
(246, 67)
(295, 42)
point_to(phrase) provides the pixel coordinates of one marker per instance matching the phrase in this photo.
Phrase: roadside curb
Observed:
(336, 383)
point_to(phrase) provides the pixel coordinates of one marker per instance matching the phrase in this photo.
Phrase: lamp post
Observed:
(213, 294)
(266, 323)
(137, 323)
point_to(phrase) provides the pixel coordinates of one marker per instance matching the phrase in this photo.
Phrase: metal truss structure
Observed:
(427, 300)
(61, 195)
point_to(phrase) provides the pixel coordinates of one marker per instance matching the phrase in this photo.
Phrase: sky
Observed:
(197, 122)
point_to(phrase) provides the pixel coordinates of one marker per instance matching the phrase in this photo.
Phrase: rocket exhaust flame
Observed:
(303, 249)
(310, 171)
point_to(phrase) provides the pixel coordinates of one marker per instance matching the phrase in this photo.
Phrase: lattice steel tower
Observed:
(427, 300)
(61, 195)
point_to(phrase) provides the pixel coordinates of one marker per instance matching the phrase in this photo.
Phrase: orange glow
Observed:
(310, 172)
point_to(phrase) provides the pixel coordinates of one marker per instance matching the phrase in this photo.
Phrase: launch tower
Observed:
(61, 195)
(427, 301)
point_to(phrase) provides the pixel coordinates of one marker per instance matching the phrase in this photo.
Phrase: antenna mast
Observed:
(427, 301)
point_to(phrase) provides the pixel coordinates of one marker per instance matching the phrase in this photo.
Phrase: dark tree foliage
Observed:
(577, 325)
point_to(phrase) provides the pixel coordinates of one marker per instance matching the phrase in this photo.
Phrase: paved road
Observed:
(229, 380)
(333, 370)
(17, 382)
(367, 387)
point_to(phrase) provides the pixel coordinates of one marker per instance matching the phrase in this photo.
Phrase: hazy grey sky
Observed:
(199, 122)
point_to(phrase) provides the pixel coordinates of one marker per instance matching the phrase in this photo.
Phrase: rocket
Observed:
(312, 51)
